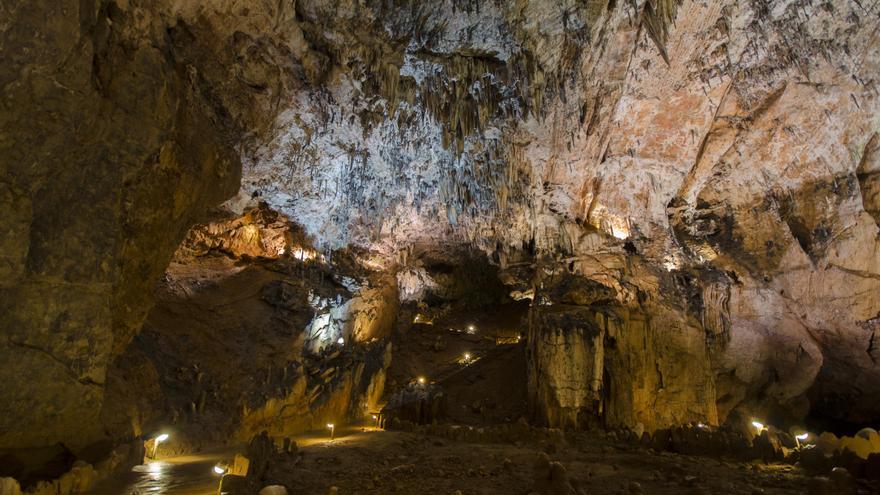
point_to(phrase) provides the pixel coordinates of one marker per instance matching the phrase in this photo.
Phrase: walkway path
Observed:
(194, 475)
(182, 475)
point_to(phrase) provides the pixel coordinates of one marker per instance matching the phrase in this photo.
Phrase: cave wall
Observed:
(243, 337)
(117, 136)
(600, 356)
(724, 145)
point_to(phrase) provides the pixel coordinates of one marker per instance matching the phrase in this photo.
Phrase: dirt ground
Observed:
(379, 462)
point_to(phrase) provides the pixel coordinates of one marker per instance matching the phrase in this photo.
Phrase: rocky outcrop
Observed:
(123, 122)
(448, 274)
(566, 366)
(598, 359)
(259, 233)
(248, 336)
(334, 391)
(417, 403)
(79, 477)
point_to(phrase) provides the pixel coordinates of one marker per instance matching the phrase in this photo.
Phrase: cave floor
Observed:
(376, 462)
(372, 461)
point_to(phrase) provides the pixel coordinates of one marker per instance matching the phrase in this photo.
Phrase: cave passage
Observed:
(550, 247)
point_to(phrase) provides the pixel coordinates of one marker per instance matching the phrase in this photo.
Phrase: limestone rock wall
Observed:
(566, 365)
(123, 122)
(658, 371)
(730, 144)
(598, 359)
(725, 145)
(111, 148)
(350, 392)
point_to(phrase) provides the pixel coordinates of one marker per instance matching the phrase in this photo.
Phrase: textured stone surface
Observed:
(244, 335)
(566, 366)
(597, 358)
(122, 123)
(735, 175)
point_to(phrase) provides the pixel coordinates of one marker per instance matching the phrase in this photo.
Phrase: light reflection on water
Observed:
(190, 475)
(152, 477)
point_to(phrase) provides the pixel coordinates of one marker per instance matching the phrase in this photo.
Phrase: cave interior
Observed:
(554, 247)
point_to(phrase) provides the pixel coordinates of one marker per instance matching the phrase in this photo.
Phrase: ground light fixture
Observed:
(467, 357)
(758, 426)
(421, 380)
(340, 341)
(219, 470)
(332, 429)
(801, 438)
(471, 328)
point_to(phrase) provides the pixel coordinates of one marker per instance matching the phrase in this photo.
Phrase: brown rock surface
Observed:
(243, 338)
(122, 124)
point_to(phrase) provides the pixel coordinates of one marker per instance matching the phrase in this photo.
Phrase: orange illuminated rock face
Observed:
(247, 336)
(259, 233)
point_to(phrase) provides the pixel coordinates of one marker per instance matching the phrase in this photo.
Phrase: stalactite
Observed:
(656, 18)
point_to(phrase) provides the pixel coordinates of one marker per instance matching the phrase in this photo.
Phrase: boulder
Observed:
(273, 490)
(235, 485)
(550, 478)
(860, 446)
(816, 460)
(873, 438)
(767, 446)
(828, 443)
(240, 465)
(260, 452)
(416, 403)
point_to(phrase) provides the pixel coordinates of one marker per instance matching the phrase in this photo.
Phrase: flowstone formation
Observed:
(686, 191)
